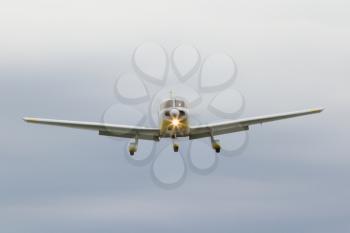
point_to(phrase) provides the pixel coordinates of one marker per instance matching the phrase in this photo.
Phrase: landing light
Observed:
(175, 122)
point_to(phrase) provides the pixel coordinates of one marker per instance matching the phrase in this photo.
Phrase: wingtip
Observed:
(318, 110)
(321, 109)
(28, 119)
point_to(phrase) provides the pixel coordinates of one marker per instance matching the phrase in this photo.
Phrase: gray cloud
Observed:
(61, 59)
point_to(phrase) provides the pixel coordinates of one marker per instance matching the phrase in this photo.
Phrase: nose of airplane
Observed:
(174, 112)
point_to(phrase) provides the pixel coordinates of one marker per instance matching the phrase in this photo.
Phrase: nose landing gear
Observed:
(176, 147)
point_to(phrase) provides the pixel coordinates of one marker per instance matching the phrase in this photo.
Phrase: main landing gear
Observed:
(133, 146)
(215, 143)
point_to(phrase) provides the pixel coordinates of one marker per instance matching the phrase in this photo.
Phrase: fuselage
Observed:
(174, 118)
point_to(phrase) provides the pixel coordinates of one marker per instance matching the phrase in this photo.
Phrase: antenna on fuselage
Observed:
(172, 97)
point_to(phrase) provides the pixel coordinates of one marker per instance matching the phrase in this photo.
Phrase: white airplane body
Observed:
(174, 123)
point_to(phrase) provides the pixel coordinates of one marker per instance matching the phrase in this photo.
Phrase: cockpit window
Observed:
(179, 103)
(167, 104)
(170, 103)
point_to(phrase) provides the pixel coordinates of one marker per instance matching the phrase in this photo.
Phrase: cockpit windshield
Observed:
(173, 103)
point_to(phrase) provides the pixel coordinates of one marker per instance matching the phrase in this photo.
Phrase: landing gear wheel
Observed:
(132, 149)
(133, 146)
(176, 147)
(215, 144)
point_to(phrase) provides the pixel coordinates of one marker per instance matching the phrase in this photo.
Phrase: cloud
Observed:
(61, 59)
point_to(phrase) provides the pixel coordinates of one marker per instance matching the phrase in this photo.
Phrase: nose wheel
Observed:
(176, 147)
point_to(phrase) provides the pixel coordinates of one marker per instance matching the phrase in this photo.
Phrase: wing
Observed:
(242, 124)
(123, 131)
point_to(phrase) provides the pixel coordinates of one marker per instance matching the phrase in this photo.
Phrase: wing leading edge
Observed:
(123, 131)
(202, 131)
(196, 132)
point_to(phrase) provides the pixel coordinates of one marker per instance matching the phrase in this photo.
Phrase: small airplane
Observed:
(174, 118)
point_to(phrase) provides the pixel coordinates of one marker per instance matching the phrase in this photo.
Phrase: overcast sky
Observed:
(60, 59)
